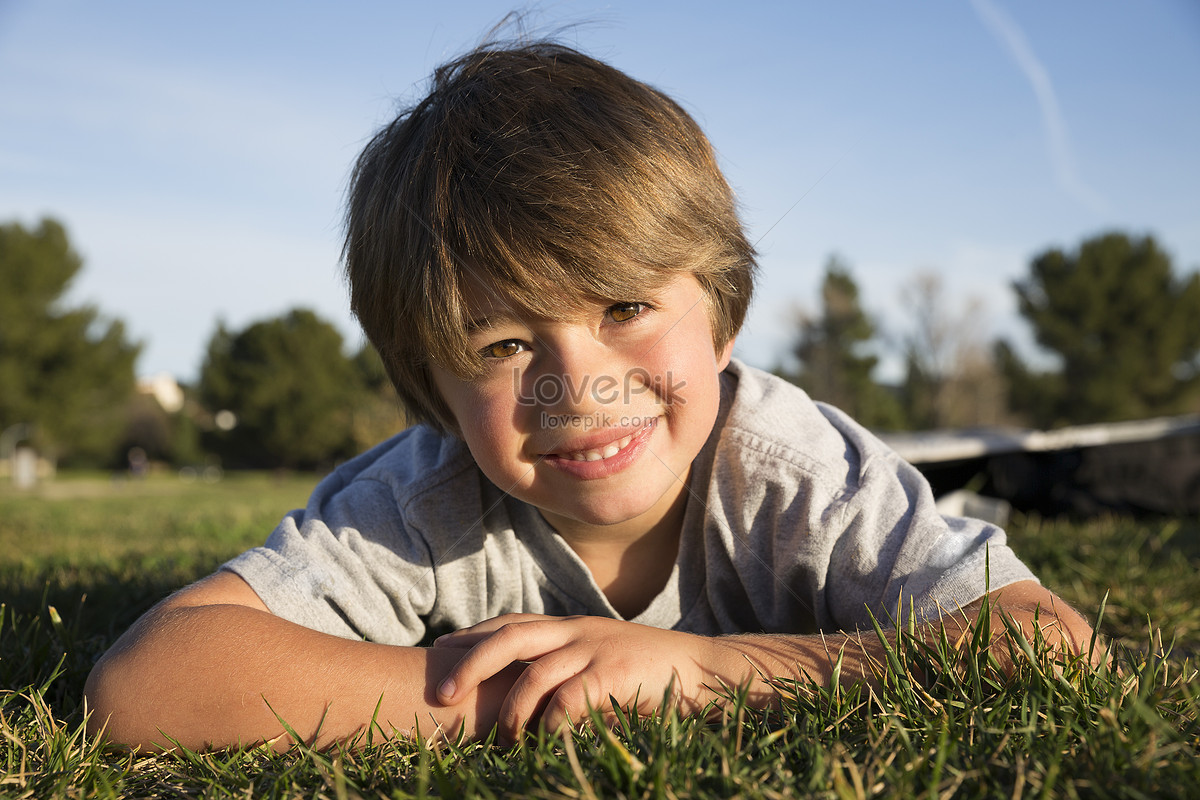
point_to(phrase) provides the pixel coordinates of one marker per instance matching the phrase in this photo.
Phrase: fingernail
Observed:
(446, 690)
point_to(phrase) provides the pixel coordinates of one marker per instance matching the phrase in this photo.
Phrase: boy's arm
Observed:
(212, 667)
(579, 662)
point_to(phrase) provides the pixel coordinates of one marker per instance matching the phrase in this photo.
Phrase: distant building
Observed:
(165, 389)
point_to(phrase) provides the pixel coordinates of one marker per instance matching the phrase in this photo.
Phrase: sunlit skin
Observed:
(576, 664)
(636, 376)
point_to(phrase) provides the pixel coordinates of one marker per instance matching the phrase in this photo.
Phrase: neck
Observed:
(630, 561)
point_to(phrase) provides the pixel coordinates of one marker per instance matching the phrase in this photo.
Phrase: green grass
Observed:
(80, 559)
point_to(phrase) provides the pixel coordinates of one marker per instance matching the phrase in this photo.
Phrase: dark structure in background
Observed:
(1143, 467)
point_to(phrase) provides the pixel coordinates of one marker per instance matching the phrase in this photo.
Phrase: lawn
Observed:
(80, 558)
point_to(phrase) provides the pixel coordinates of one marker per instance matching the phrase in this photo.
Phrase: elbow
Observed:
(101, 701)
(1062, 631)
(112, 709)
(1076, 638)
(1040, 617)
(97, 701)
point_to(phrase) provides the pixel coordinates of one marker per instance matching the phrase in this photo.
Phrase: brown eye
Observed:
(505, 349)
(623, 312)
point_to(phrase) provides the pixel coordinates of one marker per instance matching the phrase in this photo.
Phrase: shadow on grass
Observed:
(58, 620)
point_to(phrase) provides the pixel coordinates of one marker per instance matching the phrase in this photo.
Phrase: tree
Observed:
(951, 379)
(1033, 395)
(831, 348)
(378, 412)
(1126, 328)
(288, 387)
(68, 372)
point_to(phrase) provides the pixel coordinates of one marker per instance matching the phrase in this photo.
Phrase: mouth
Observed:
(604, 450)
(599, 454)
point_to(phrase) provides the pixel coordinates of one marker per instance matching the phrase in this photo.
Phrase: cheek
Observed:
(686, 370)
(487, 423)
(493, 421)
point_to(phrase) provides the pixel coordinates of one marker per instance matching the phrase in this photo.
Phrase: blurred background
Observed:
(969, 214)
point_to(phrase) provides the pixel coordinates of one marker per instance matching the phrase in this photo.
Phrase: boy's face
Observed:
(594, 420)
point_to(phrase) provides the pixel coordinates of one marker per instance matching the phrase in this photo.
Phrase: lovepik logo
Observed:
(600, 421)
(552, 389)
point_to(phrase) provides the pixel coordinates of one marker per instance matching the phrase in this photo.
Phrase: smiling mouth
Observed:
(607, 450)
(599, 454)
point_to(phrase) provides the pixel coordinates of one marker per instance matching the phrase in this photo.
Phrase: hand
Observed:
(576, 664)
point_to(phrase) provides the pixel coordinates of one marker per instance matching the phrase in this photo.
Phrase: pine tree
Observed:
(1126, 328)
(833, 352)
(66, 372)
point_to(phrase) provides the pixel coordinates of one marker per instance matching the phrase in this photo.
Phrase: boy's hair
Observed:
(544, 178)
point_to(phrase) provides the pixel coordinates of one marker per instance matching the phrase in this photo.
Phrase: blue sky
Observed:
(198, 153)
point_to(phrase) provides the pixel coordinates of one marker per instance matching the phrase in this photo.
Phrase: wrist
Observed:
(737, 663)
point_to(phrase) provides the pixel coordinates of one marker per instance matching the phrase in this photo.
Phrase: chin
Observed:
(608, 513)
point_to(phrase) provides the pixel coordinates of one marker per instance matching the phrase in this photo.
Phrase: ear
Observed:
(724, 354)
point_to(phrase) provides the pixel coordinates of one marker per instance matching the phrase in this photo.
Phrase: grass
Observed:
(80, 559)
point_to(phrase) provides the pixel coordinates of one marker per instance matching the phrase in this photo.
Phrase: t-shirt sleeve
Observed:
(893, 553)
(811, 523)
(346, 565)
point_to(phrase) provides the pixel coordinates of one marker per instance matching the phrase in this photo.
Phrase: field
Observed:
(82, 557)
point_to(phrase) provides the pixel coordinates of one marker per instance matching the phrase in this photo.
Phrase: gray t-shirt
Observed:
(798, 520)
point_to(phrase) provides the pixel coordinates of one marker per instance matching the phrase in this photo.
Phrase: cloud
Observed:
(1012, 38)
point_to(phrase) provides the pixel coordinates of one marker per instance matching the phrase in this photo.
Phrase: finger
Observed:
(538, 684)
(518, 641)
(572, 704)
(594, 690)
(466, 637)
(463, 638)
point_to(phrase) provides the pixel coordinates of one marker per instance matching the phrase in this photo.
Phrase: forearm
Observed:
(220, 675)
(758, 662)
(576, 664)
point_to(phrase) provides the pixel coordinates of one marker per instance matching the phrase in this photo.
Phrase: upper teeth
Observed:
(608, 451)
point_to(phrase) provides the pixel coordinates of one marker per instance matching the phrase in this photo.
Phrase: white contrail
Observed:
(1010, 35)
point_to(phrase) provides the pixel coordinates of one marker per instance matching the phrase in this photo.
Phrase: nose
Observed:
(578, 376)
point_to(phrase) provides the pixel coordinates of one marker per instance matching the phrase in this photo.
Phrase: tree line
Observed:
(1121, 327)
(280, 393)
(287, 392)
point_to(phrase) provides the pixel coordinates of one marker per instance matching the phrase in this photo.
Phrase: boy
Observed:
(600, 502)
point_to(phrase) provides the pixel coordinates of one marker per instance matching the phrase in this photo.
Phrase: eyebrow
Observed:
(486, 321)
